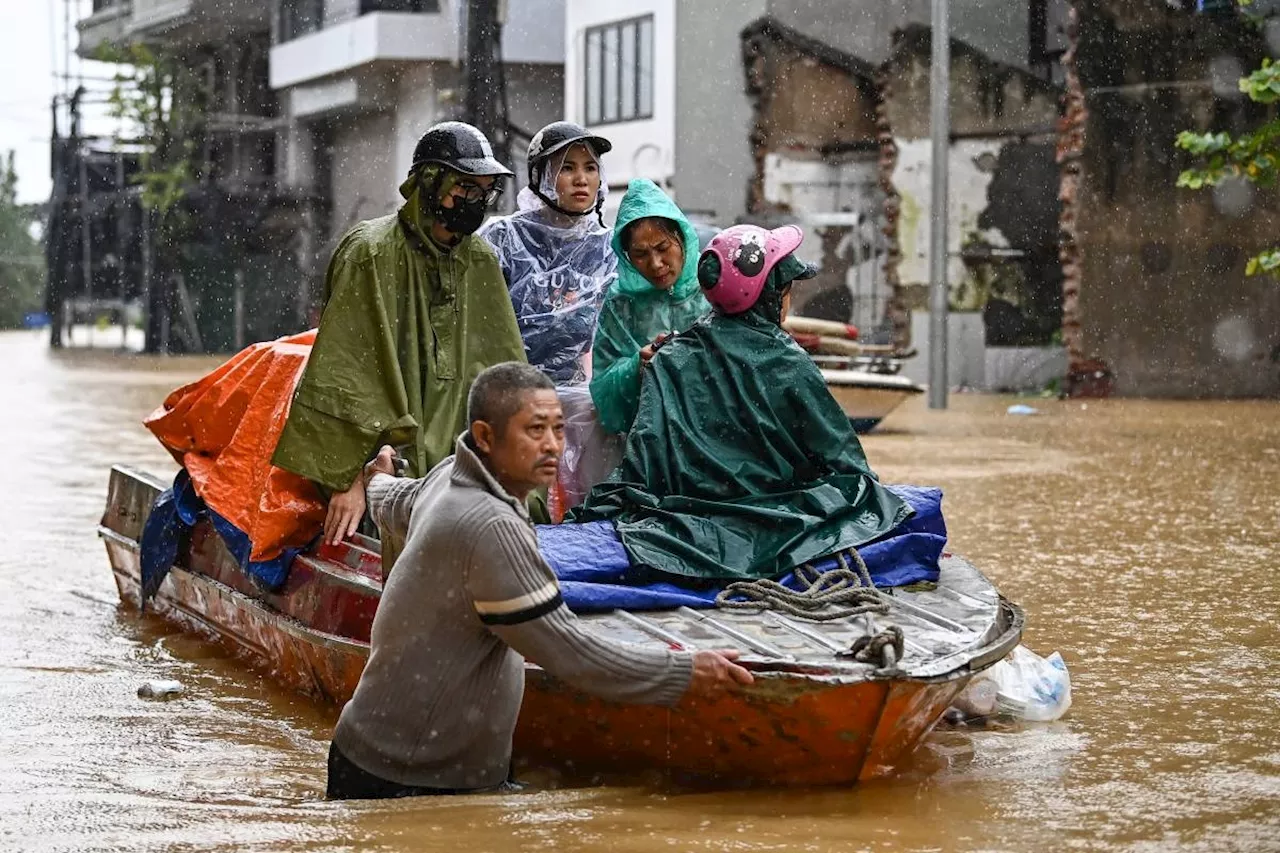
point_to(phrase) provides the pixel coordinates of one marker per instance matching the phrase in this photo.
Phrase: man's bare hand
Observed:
(383, 463)
(715, 671)
(345, 511)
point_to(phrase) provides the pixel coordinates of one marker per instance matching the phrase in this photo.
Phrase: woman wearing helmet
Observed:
(555, 254)
(554, 251)
(740, 464)
(657, 293)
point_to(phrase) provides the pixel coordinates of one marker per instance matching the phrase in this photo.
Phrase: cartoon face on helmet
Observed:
(746, 255)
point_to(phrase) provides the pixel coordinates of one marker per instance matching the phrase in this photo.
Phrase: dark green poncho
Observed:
(740, 464)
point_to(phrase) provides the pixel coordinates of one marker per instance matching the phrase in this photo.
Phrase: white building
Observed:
(664, 80)
(361, 80)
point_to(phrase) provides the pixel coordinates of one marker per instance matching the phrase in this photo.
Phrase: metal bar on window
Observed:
(627, 68)
(644, 103)
(595, 77)
(639, 69)
(612, 70)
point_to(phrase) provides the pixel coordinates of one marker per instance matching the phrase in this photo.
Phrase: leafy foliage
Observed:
(1252, 156)
(159, 96)
(21, 259)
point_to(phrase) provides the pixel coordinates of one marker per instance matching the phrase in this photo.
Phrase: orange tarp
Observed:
(223, 429)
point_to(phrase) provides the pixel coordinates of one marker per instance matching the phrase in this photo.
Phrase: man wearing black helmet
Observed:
(415, 308)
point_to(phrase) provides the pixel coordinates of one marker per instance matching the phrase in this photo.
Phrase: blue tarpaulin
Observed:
(173, 515)
(594, 570)
(595, 573)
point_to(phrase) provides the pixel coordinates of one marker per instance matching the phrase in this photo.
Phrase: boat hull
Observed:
(789, 728)
(868, 398)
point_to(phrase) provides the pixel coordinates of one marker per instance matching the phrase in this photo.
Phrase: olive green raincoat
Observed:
(407, 326)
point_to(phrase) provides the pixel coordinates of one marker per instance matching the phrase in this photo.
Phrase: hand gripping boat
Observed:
(814, 716)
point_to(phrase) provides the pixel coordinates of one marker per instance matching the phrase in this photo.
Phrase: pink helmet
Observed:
(747, 253)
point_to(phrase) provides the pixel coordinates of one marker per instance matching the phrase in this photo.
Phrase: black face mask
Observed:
(465, 217)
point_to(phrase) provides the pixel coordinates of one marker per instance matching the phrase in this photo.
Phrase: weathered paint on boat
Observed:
(797, 725)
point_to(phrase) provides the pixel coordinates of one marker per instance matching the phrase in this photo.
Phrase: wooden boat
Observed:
(868, 397)
(814, 715)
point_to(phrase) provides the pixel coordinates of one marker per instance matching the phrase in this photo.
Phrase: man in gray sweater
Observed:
(469, 598)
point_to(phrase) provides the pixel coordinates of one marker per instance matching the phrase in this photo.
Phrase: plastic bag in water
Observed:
(160, 689)
(1024, 686)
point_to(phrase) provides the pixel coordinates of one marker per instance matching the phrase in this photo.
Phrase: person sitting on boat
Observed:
(555, 251)
(469, 599)
(556, 257)
(656, 293)
(415, 308)
(740, 464)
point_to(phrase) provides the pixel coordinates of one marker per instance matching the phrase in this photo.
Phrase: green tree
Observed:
(21, 258)
(1253, 156)
(158, 98)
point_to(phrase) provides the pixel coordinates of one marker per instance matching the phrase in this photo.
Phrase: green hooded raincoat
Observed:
(407, 325)
(740, 464)
(635, 311)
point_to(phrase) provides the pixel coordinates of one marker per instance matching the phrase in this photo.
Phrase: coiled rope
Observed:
(822, 596)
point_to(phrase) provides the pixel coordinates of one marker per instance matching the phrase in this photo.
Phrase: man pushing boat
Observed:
(436, 706)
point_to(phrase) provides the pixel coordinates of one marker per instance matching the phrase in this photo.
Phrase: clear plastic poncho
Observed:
(558, 268)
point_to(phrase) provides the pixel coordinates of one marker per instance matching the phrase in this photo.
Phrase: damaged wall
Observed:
(1164, 301)
(814, 140)
(843, 147)
(1003, 183)
(712, 162)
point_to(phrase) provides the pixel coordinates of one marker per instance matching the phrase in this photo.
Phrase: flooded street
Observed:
(1141, 538)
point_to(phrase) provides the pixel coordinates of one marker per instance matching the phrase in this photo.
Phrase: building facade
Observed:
(361, 80)
(312, 109)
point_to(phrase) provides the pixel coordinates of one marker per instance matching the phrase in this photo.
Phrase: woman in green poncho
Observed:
(656, 293)
(740, 464)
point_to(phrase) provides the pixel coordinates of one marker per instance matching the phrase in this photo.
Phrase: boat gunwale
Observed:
(871, 381)
(838, 672)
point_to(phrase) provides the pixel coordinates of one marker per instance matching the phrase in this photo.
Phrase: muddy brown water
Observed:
(1141, 537)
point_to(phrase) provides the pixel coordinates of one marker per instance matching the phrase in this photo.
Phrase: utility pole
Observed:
(940, 130)
(483, 73)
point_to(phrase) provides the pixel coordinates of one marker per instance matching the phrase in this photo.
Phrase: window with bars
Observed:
(300, 17)
(619, 71)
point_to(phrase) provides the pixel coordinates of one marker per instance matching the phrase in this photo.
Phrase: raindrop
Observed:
(1233, 197)
(1271, 32)
(1224, 76)
(1233, 338)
